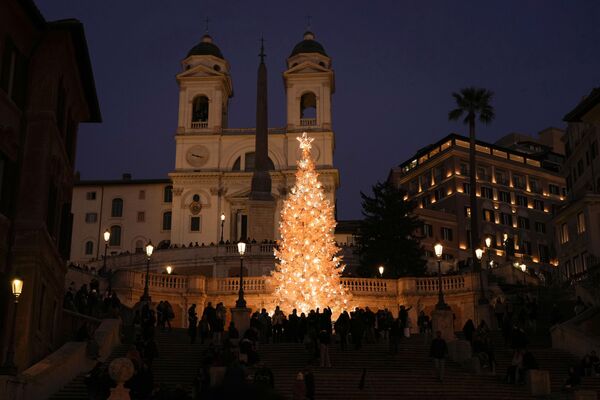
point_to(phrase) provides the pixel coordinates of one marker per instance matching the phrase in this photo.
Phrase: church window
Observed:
(89, 248)
(166, 221)
(115, 235)
(308, 109)
(200, 112)
(168, 194)
(195, 224)
(117, 208)
(237, 165)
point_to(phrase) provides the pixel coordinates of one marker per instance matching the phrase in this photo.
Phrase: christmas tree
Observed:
(307, 275)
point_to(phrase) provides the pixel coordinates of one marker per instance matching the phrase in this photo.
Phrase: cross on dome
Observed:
(305, 141)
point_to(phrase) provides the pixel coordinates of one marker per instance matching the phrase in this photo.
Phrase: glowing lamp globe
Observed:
(106, 235)
(523, 267)
(242, 248)
(222, 216)
(17, 287)
(381, 270)
(169, 269)
(438, 248)
(479, 253)
(149, 249)
(488, 242)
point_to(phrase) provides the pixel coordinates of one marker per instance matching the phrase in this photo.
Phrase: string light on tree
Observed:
(307, 274)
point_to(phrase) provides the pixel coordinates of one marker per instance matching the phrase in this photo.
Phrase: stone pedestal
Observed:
(261, 220)
(443, 321)
(241, 318)
(485, 312)
(538, 381)
(120, 370)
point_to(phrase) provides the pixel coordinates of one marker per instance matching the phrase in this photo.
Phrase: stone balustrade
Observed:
(262, 284)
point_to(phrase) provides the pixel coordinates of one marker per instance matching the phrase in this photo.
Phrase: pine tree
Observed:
(307, 274)
(387, 234)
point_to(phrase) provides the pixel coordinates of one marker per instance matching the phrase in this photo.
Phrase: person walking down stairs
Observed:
(438, 351)
(192, 321)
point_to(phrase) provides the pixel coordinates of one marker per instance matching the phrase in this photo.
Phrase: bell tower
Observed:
(204, 89)
(309, 84)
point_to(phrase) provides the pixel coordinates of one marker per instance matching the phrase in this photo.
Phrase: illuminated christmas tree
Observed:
(307, 274)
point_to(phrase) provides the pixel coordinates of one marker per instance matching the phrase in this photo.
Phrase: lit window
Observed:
(580, 223)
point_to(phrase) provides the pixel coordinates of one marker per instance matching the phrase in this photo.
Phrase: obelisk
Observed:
(261, 204)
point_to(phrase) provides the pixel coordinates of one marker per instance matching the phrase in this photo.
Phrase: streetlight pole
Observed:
(241, 303)
(441, 304)
(482, 298)
(106, 240)
(222, 226)
(146, 296)
(488, 245)
(9, 367)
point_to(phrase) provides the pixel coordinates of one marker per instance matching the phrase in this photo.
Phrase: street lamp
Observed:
(505, 244)
(381, 269)
(482, 298)
(149, 249)
(106, 240)
(169, 269)
(441, 304)
(222, 226)
(524, 269)
(9, 367)
(241, 303)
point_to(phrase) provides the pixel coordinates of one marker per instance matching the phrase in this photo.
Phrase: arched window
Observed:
(308, 109)
(117, 208)
(115, 235)
(166, 221)
(168, 194)
(139, 246)
(200, 112)
(89, 248)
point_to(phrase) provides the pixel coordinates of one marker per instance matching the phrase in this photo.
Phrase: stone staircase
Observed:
(407, 375)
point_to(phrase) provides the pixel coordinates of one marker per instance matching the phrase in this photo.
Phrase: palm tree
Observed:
(473, 102)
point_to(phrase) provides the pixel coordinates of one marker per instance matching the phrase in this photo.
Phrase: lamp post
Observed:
(488, 245)
(482, 298)
(169, 269)
(106, 240)
(241, 303)
(524, 269)
(146, 296)
(222, 226)
(381, 269)
(9, 367)
(441, 304)
(505, 244)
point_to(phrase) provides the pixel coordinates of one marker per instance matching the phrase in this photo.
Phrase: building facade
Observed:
(214, 164)
(518, 189)
(577, 224)
(46, 90)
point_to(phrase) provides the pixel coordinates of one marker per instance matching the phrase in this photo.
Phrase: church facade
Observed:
(213, 193)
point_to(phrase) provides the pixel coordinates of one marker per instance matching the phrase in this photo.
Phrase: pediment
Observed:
(307, 67)
(201, 71)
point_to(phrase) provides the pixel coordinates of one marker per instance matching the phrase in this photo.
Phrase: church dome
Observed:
(308, 45)
(206, 47)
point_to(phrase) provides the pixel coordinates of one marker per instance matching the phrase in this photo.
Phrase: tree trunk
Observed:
(473, 190)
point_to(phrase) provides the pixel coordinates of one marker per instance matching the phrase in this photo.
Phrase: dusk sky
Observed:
(396, 65)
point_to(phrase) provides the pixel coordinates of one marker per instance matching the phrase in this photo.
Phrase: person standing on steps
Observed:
(438, 352)
(192, 321)
(324, 341)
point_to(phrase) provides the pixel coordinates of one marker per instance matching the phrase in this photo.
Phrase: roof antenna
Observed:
(262, 49)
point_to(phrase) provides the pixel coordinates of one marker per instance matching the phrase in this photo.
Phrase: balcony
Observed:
(199, 124)
(308, 122)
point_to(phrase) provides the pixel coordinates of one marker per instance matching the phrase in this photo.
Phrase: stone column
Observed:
(443, 321)
(241, 318)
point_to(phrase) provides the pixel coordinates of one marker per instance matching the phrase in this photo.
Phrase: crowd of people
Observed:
(90, 300)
